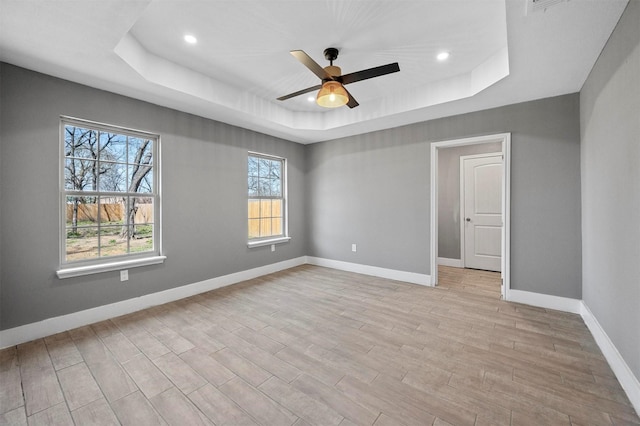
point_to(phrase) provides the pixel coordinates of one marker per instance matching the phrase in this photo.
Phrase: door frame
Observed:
(505, 140)
(462, 201)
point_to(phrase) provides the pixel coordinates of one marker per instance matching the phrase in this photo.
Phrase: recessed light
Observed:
(311, 99)
(190, 39)
(443, 56)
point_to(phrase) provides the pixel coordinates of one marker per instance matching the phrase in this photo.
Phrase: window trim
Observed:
(267, 242)
(68, 269)
(272, 239)
(79, 271)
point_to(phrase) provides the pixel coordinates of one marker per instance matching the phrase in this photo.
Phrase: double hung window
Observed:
(266, 199)
(109, 194)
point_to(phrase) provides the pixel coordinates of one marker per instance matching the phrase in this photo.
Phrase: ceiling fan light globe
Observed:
(332, 95)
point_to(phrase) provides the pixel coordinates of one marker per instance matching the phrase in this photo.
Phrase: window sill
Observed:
(106, 267)
(262, 243)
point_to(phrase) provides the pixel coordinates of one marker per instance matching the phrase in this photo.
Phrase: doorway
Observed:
(503, 141)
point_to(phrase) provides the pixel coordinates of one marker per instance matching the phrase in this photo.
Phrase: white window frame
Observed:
(70, 269)
(264, 241)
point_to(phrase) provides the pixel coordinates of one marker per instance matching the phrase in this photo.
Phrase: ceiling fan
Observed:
(332, 91)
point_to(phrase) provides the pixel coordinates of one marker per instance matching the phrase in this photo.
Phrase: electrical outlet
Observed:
(273, 247)
(354, 248)
(124, 275)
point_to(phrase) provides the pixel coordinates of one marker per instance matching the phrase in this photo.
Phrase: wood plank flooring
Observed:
(473, 281)
(316, 346)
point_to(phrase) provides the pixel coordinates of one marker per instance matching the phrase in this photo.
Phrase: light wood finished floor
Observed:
(482, 283)
(319, 346)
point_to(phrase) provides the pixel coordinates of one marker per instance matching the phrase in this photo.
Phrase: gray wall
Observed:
(370, 189)
(203, 195)
(373, 190)
(610, 160)
(449, 195)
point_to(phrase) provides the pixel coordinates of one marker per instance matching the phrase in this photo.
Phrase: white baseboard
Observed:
(445, 261)
(392, 274)
(49, 326)
(548, 301)
(625, 376)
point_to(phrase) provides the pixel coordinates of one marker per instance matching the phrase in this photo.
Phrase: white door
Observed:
(482, 219)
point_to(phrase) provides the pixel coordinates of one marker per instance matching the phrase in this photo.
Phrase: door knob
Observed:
(468, 219)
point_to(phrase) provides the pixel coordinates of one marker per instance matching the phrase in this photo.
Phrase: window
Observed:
(267, 199)
(109, 195)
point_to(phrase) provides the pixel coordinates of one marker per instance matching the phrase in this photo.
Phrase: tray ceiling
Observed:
(500, 54)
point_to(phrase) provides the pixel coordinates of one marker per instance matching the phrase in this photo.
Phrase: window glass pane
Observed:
(81, 243)
(275, 170)
(140, 150)
(276, 226)
(253, 186)
(111, 241)
(265, 227)
(143, 240)
(276, 208)
(72, 137)
(80, 142)
(265, 208)
(264, 187)
(80, 175)
(146, 184)
(252, 167)
(254, 209)
(69, 210)
(141, 210)
(111, 211)
(263, 166)
(72, 208)
(113, 147)
(140, 179)
(81, 211)
(276, 188)
(112, 177)
(254, 228)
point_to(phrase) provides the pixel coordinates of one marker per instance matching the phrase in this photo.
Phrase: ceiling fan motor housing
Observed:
(331, 54)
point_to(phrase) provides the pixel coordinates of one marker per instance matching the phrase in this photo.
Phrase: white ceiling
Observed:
(500, 55)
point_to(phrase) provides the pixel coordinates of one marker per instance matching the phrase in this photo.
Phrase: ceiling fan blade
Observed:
(300, 92)
(369, 73)
(352, 101)
(308, 62)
